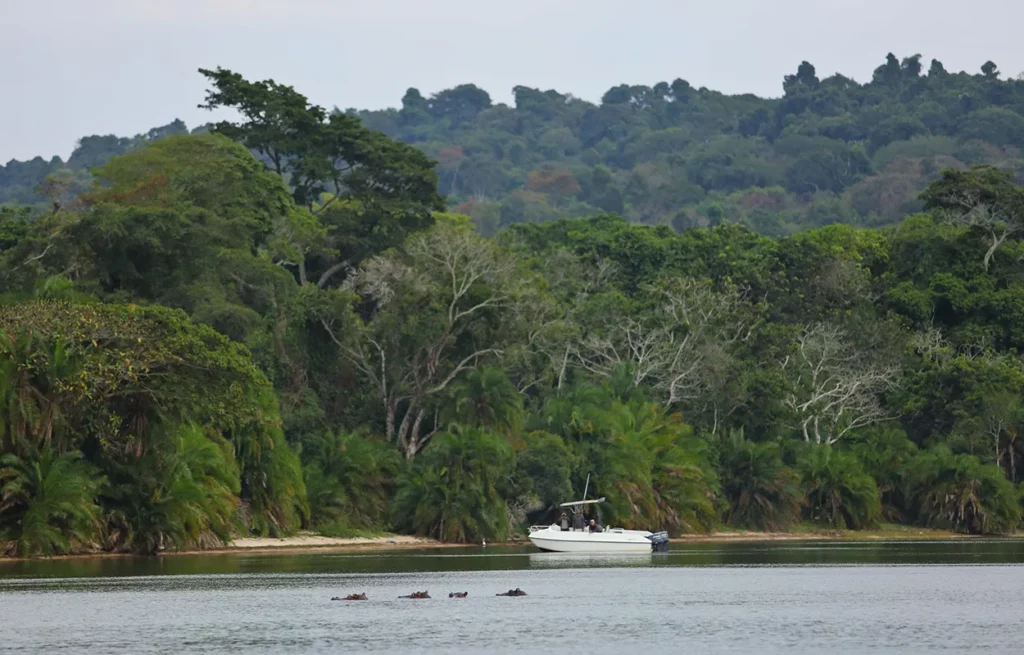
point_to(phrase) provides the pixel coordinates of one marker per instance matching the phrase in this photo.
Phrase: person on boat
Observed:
(594, 527)
(578, 522)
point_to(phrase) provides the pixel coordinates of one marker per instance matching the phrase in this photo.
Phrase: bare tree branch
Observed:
(329, 273)
(33, 259)
(836, 388)
(454, 275)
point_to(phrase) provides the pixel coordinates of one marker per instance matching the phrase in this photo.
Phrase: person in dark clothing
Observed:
(594, 527)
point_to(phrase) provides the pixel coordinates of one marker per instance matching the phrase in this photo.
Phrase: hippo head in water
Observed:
(513, 592)
(417, 594)
(458, 594)
(361, 596)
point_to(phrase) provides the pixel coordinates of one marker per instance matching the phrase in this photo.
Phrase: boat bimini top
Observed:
(577, 503)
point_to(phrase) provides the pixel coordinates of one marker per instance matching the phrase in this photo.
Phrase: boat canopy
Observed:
(582, 502)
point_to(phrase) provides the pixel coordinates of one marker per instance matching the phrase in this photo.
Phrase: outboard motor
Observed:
(659, 542)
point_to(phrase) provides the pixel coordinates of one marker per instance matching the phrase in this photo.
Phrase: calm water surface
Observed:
(797, 597)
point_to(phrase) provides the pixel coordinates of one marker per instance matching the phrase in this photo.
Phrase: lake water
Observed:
(797, 597)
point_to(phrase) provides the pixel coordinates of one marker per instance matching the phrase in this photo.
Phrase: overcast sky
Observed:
(70, 68)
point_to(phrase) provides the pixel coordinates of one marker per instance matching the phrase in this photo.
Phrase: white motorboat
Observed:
(577, 537)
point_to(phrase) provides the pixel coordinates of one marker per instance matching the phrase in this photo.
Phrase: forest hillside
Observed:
(280, 323)
(827, 151)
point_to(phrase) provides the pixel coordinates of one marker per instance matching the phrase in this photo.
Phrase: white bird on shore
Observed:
(484, 542)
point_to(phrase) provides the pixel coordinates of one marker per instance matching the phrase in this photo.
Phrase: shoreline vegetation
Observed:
(292, 324)
(316, 543)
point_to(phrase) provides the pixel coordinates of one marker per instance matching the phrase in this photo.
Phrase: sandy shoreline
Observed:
(306, 543)
(318, 543)
(308, 540)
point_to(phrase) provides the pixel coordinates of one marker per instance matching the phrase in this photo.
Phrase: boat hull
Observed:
(585, 542)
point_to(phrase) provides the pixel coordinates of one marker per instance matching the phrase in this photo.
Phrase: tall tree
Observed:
(836, 387)
(436, 316)
(984, 198)
(379, 188)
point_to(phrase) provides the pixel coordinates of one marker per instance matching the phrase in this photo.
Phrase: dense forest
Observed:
(282, 322)
(829, 151)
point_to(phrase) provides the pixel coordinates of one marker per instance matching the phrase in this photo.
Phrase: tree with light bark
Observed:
(836, 387)
(683, 349)
(438, 312)
(549, 318)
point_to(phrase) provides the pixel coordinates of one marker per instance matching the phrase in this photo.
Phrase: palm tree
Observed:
(35, 384)
(960, 493)
(422, 503)
(487, 398)
(651, 469)
(48, 502)
(183, 492)
(544, 469)
(576, 414)
(351, 479)
(762, 492)
(623, 470)
(839, 492)
(272, 485)
(455, 490)
(886, 452)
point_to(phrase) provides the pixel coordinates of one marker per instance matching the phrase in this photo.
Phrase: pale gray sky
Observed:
(70, 68)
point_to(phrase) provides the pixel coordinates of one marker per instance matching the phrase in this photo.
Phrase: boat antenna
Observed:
(585, 487)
